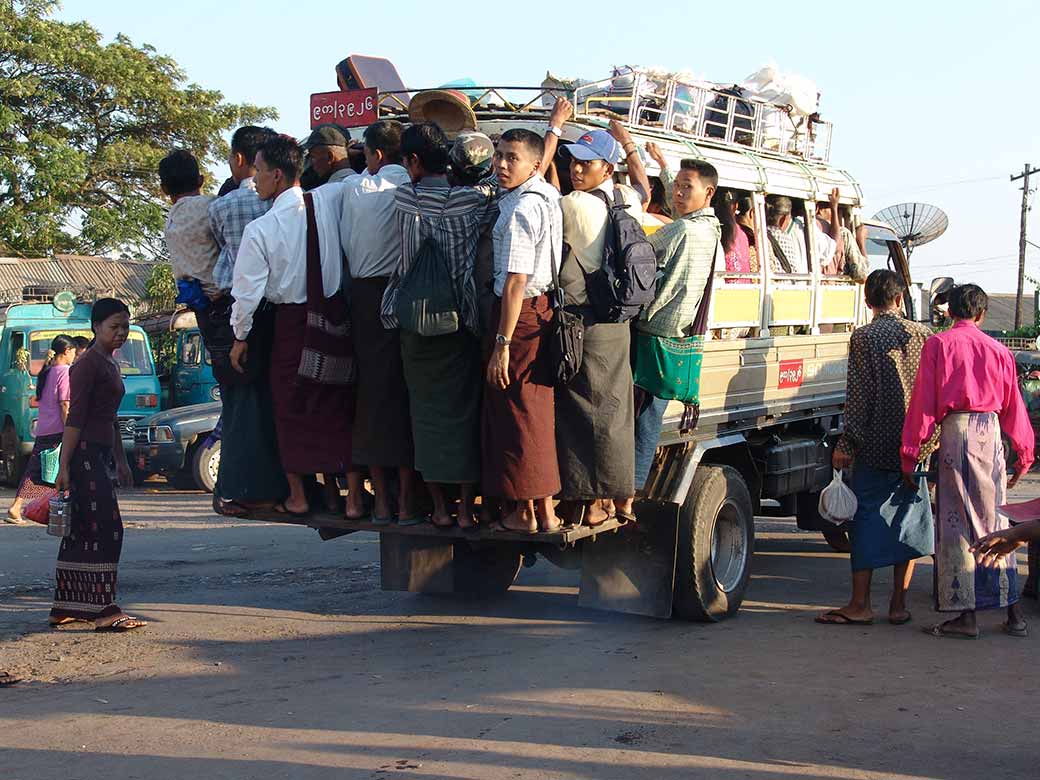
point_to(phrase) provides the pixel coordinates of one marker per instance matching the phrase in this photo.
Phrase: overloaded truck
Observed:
(773, 374)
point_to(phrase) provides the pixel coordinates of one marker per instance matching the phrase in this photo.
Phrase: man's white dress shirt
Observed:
(368, 228)
(272, 260)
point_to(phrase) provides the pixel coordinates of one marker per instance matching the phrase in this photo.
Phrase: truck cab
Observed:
(26, 332)
(191, 377)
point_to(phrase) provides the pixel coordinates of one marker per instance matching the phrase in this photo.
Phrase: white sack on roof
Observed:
(770, 84)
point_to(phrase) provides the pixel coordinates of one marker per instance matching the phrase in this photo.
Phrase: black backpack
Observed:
(627, 280)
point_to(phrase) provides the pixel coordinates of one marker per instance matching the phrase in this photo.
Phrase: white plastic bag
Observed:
(837, 501)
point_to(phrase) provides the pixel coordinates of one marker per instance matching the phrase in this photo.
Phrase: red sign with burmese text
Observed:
(791, 373)
(350, 108)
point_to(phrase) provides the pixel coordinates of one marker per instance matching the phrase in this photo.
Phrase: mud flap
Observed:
(633, 570)
(417, 564)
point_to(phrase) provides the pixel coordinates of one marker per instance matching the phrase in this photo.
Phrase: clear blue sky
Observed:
(922, 93)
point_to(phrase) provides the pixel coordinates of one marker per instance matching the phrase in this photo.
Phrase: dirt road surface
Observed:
(271, 654)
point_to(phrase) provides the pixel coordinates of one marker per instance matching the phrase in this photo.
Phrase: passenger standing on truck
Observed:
(519, 432)
(190, 242)
(382, 433)
(595, 440)
(443, 372)
(250, 474)
(327, 152)
(968, 385)
(786, 241)
(88, 559)
(685, 251)
(52, 397)
(893, 522)
(313, 420)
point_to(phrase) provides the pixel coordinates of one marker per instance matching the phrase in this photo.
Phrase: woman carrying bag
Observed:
(52, 397)
(88, 560)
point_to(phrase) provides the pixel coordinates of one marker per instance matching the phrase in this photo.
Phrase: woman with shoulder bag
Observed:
(52, 397)
(88, 560)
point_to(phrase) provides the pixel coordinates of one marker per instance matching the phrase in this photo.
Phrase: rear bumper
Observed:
(166, 458)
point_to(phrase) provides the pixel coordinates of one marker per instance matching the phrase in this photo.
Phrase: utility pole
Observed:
(1026, 172)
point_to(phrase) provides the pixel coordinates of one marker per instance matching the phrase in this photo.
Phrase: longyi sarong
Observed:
(444, 385)
(250, 470)
(382, 423)
(88, 559)
(313, 422)
(519, 428)
(972, 484)
(595, 431)
(893, 524)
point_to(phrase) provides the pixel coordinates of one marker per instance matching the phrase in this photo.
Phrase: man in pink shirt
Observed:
(967, 383)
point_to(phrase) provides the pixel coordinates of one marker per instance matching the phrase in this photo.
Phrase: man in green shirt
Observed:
(685, 249)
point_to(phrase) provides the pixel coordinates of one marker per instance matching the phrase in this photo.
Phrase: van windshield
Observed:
(133, 357)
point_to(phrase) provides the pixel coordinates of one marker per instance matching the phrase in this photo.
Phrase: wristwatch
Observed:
(556, 131)
(501, 340)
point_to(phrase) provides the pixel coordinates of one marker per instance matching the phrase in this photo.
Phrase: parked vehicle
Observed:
(175, 444)
(191, 377)
(26, 332)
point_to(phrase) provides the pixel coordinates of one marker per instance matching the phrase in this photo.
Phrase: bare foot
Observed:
(466, 518)
(442, 519)
(545, 515)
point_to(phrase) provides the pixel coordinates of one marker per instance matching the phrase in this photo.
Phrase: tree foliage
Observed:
(83, 125)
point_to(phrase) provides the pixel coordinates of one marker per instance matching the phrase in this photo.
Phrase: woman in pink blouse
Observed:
(52, 398)
(967, 383)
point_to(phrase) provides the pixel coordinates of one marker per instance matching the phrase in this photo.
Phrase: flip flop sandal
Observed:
(625, 517)
(284, 510)
(842, 619)
(8, 680)
(376, 520)
(498, 527)
(62, 622)
(1020, 632)
(901, 621)
(229, 508)
(125, 623)
(939, 631)
(407, 522)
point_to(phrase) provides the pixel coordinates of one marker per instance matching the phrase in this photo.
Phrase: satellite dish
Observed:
(914, 223)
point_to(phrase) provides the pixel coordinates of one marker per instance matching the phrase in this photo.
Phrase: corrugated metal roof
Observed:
(80, 273)
(1001, 313)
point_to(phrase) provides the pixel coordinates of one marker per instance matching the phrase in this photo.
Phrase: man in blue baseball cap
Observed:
(597, 473)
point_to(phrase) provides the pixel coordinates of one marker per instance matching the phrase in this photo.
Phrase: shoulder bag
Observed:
(327, 358)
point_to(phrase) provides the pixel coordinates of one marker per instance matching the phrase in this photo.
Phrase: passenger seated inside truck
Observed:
(734, 240)
(786, 237)
(657, 206)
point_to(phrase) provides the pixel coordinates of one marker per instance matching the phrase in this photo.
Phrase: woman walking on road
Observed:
(52, 396)
(968, 383)
(88, 559)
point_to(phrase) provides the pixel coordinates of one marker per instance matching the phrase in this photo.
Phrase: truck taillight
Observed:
(148, 401)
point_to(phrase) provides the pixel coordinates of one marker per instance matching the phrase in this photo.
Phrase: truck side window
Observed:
(19, 357)
(190, 349)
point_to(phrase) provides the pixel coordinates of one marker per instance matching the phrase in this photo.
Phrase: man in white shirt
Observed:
(519, 431)
(312, 420)
(371, 240)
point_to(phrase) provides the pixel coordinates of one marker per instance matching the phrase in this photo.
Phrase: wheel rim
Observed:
(729, 546)
(213, 467)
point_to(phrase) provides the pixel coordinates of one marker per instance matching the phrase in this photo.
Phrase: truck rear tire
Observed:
(205, 463)
(485, 570)
(716, 542)
(809, 520)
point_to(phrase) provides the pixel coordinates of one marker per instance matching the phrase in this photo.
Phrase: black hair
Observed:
(745, 204)
(705, 170)
(882, 288)
(968, 301)
(248, 140)
(777, 206)
(429, 143)
(723, 203)
(285, 154)
(59, 346)
(81, 342)
(179, 172)
(534, 143)
(104, 308)
(385, 136)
